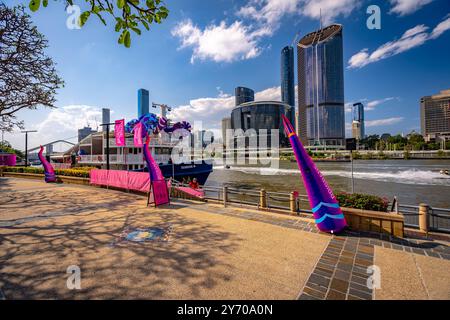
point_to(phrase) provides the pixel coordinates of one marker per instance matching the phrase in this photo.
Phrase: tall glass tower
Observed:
(143, 102)
(287, 76)
(243, 95)
(358, 115)
(321, 87)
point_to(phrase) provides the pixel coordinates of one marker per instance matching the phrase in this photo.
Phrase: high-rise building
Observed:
(143, 102)
(263, 116)
(435, 116)
(243, 95)
(287, 76)
(321, 87)
(358, 115)
(106, 117)
(83, 133)
(226, 125)
(356, 130)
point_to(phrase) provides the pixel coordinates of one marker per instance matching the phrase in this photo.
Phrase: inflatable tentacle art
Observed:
(48, 169)
(325, 207)
(152, 125)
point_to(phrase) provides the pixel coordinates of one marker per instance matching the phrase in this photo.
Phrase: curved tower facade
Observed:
(321, 87)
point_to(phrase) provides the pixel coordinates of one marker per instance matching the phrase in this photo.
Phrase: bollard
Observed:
(292, 202)
(262, 198)
(225, 196)
(424, 210)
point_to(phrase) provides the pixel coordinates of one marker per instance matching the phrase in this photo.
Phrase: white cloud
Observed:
(220, 43)
(412, 38)
(405, 7)
(383, 122)
(441, 28)
(60, 124)
(331, 9)
(371, 105)
(211, 110)
(241, 39)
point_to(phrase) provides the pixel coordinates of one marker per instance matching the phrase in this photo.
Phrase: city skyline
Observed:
(100, 74)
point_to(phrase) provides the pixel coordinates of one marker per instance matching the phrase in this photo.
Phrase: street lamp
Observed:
(26, 145)
(107, 142)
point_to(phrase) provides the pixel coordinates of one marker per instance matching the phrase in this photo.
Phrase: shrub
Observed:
(362, 201)
(82, 172)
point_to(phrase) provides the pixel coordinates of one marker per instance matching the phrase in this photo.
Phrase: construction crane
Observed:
(164, 108)
(296, 38)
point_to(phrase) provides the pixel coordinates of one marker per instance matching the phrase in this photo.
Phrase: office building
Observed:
(243, 95)
(356, 130)
(143, 102)
(260, 115)
(106, 117)
(226, 125)
(435, 116)
(358, 116)
(321, 88)
(84, 132)
(287, 76)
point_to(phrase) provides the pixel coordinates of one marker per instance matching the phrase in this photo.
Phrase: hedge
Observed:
(81, 172)
(362, 201)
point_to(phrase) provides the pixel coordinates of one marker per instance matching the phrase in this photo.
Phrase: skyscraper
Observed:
(358, 115)
(243, 95)
(321, 87)
(143, 102)
(435, 116)
(287, 76)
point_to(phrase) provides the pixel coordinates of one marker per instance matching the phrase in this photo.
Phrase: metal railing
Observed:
(437, 219)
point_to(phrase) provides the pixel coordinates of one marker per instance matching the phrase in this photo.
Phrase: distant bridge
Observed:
(49, 146)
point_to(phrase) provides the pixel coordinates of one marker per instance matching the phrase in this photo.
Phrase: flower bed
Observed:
(81, 172)
(362, 201)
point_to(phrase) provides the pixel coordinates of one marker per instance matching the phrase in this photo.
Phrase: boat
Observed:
(444, 172)
(92, 151)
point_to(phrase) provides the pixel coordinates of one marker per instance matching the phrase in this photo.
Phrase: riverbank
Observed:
(211, 252)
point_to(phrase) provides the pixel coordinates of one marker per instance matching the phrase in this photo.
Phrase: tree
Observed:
(28, 76)
(129, 15)
(6, 147)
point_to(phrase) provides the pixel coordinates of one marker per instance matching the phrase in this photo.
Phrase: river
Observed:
(412, 181)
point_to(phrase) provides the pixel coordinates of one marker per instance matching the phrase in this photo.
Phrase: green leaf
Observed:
(145, 25)
(34, 5)
(150, 4)
(118, 26)
(83, 18)
(122, 37)
(45, 3)
(136, 30)
(120, 3)
(127, 39)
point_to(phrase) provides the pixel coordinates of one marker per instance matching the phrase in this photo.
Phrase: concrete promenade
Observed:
(212, 252)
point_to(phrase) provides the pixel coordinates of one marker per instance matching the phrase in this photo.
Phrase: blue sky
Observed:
(195, 59)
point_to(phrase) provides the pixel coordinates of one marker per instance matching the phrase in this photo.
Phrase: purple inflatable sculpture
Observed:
(325, 207)
(48, 169)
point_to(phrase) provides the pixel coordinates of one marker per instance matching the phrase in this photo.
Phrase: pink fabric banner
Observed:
(138, 135)
(139, 181)
(119, 132)
(8, 160)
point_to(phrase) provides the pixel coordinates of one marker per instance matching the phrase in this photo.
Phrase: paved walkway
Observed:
(212, 253)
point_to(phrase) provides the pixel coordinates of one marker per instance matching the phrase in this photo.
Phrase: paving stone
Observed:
(432, 254)
(314, 293)
(359, 280)
(362, 288)
(319, 280)
(335, 295)
(359, 294)
(317, 288)
(339, 285)
(343, 275)
(307, 297)
(350, 297)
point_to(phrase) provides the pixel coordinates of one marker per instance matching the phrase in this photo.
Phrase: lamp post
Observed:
(26, 145)
(107, 142)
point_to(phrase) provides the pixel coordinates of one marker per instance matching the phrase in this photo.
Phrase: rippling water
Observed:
(412, 181)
